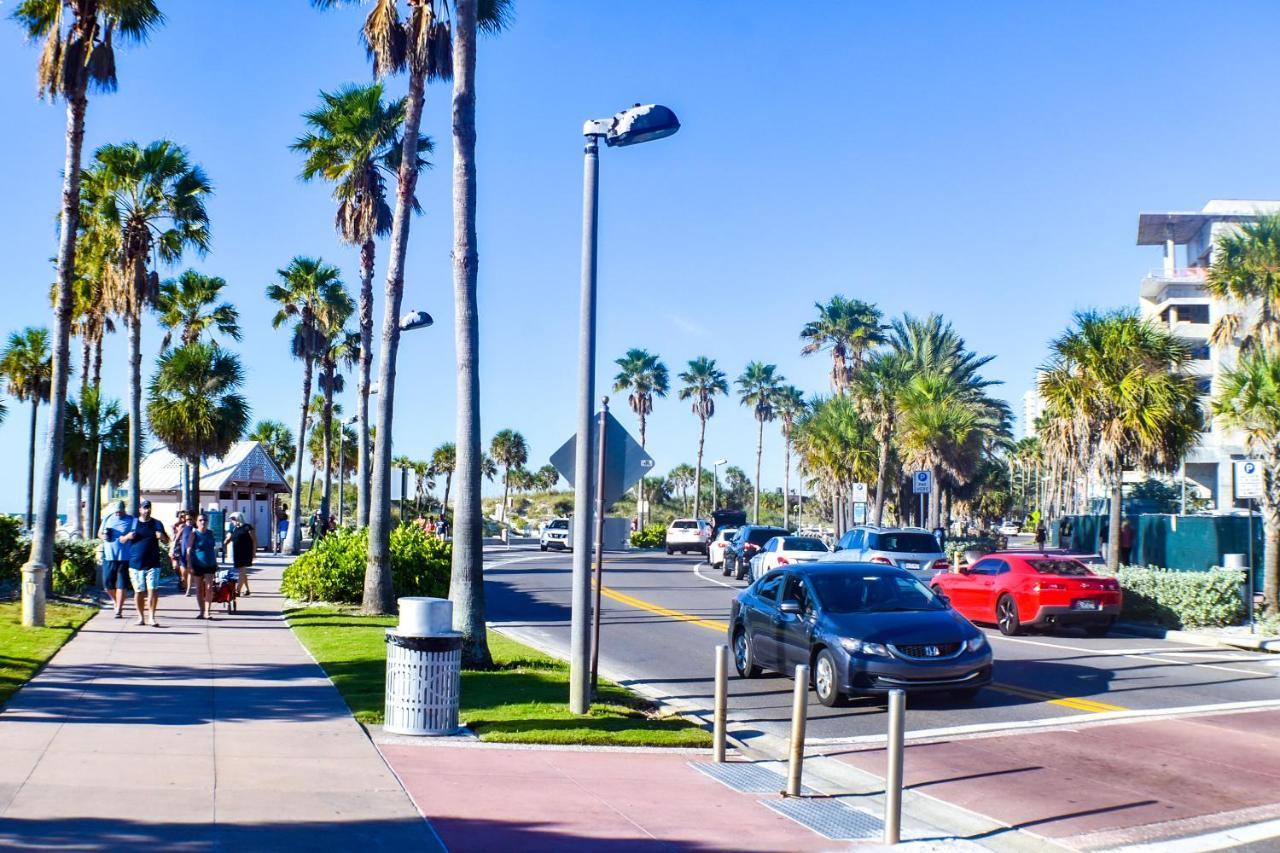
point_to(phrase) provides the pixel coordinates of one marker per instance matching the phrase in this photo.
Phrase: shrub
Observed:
(956, 546)
(651, 536)
(333, 569)
(1177, 599)
(12, 555)
(75, 565)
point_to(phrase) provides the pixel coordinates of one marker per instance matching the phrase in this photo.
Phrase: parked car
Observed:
(862, 629)
(555, 534)
(1010, 528)
(911, 548)
(749, 539)
(688, 534)
(1016, 591)
(784, 550)
(715, 551)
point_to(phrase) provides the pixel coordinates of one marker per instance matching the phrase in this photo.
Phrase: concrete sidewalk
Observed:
(195, 736)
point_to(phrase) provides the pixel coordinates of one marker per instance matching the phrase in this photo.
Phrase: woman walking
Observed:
(243, 544)
(202, 562)
(178, 552)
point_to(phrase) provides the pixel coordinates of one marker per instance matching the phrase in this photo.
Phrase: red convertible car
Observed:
(1016, 591)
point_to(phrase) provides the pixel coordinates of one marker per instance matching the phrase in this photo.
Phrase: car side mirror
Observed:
(792, 607)
(945, 599)
(964, 570)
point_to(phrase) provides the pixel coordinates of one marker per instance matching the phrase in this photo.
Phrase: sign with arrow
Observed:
(625, 461)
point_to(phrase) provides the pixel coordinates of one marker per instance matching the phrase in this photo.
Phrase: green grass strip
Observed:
(24, 650)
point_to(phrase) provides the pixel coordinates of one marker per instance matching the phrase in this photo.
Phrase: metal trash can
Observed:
(1240, 563)
(424, 669)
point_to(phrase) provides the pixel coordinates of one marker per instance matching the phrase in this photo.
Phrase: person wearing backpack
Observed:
(243, 545)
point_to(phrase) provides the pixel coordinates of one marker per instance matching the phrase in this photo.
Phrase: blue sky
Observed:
(986, 161)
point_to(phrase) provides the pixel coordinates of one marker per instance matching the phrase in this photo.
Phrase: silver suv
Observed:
(913, 549)
(555, 535)
(688, 534)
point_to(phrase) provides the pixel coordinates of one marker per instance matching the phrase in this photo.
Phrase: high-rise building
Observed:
(1175, 294)
(1032, 409)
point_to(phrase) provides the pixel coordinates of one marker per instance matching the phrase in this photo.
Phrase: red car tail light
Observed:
(1043, 585)
(783, 561)
(942, 565)
(884, 561)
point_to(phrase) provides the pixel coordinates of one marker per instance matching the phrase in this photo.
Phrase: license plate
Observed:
(910, 565)
(1085, 604)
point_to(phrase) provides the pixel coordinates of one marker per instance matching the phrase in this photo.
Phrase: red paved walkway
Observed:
(1064, 784)
(486, 799)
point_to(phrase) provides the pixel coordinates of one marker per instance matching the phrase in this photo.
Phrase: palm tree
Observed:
(836, 447)
(78, 55)
(702, 382)
(189, 306)
(354, 142)
(645, 376)
(151, 203)
(682, 477)
(195, 406)
(848, 328)
(757, 387)
(444, 460)
(277, 440)
(1246, 274)
(488, 468)
(788, 405)
(508, 449)
(1124, 378)
(340, 347)
(547, 477)
(95, 447)
(1249, 400)
(28, 366)
(309, 292)
(876, 389)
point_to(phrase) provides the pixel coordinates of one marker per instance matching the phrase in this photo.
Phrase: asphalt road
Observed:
(663, 617)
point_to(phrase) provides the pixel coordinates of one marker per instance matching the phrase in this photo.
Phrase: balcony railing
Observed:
(1187, 274)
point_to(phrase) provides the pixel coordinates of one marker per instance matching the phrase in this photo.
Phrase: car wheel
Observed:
(1099, 630)
(740, 569)
(744, 660)
(670, 551)
(724, 566)
(1007, 616)
(542, 547)
(966, 694)
(826, 682)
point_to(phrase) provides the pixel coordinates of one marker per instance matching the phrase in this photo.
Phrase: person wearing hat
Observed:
(144, 539)
(243, 544)
(115, 555)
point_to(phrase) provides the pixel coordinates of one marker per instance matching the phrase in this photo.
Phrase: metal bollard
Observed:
(893, 776)
(722, 702)
(799, 712)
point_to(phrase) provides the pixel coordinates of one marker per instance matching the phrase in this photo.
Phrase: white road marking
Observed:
(1142, 655)
(1223, 840)
(697, 570)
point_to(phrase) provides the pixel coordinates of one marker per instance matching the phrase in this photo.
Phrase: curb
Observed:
(1199, 638)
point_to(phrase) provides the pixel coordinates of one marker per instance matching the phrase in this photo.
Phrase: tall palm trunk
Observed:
(444, 504)
(193, 488)
(882, 486)
(935, 499)
(466, 582)
(46, 520)
(786, 481)
(97, 361)
(362, 383)
(755, 510)
(379, 596)
(1113, 521)
(293, 540)
(640, 485)
(327, 422)
(31, 464)
(311, 488)
(135, 410)
(697, 483)
(81, 514)
(1270, 558)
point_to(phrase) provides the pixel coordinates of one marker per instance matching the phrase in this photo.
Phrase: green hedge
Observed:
(1178, 599)
(333, 569)
(652, 536)
(75, 561)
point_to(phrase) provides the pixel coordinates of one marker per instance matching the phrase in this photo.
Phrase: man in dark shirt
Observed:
(144, 562)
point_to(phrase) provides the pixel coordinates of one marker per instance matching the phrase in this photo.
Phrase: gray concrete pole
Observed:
(722, 703)
(893, 774)
(799, 722)
(580, 621)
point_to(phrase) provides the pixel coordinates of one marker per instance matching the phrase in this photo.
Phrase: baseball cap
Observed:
(119, 506)
(145, 505)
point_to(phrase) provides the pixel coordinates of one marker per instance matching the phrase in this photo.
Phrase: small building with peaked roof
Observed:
(245, 480)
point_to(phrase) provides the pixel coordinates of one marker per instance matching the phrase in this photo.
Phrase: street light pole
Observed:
(342, 467)
(628, 127)
(715, 484)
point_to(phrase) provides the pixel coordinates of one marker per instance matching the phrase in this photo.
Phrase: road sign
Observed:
(624, 464)
(1248, 479)
(922, 482)
(858, 493)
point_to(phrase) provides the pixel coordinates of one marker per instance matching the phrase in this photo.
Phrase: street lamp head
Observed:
(415, 320)
(720, 461)
(641, 123)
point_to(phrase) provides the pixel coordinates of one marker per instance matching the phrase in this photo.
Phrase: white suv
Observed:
(688, 534)
(555, 534)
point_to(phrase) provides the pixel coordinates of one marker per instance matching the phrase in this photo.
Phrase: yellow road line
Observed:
(1072, 702)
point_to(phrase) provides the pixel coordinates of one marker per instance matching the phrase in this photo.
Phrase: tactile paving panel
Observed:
(745, 776)
(830, 818)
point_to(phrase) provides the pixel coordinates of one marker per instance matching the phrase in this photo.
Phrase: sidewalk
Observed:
(195, 736)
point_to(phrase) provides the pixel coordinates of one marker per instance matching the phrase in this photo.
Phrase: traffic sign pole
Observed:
(600, 458)
(1248, 598)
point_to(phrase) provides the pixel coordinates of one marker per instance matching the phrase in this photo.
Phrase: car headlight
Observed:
(858, 647)
(976, 644)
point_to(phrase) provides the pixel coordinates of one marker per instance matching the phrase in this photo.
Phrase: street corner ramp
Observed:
(746, 777)
(829, 818)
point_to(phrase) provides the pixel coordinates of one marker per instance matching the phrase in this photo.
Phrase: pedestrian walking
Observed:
(115, 556)
(145, 539)
(178, 548)
(1126, 542)
(243, 545)
(202, 562)
(282, 527)
(1042, 535)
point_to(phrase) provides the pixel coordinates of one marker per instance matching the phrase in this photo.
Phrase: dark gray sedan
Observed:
(862, 629)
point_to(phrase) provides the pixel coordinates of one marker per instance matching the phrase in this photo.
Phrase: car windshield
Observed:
(905, 543)
(802, 543)
(684, 525)
(852, 592)
(558, 524)
(727, 534)
(763, 535)
(1071, 568)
